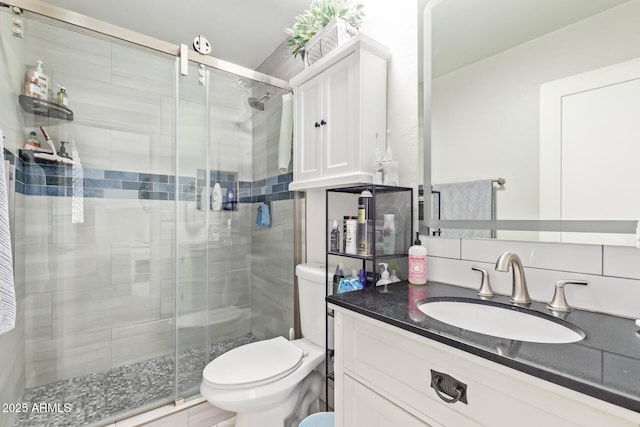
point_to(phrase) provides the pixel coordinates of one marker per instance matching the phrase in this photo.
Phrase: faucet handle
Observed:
(485, 286)
(559, 302)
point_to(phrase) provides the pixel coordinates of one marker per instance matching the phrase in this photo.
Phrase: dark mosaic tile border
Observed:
(34, 179)
(102, 395)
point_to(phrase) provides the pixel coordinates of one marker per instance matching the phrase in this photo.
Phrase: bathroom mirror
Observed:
(536, 95)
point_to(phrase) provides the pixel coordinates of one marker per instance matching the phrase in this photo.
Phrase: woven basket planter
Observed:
(333, 35)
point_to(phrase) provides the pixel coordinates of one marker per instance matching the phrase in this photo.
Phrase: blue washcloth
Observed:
(263, 219)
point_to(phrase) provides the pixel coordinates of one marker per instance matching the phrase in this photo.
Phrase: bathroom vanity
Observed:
(396, 366)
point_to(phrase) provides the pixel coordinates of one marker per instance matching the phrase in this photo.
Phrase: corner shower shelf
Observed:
(45, 108)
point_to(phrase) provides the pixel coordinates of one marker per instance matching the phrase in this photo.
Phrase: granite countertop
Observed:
(605, 364)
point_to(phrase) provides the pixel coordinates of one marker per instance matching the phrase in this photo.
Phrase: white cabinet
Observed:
(339, 108)
(391, 366)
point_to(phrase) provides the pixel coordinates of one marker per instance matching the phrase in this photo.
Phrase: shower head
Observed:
(257, 103)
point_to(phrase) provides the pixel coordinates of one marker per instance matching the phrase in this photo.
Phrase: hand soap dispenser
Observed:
(384, 278)
(417, 263)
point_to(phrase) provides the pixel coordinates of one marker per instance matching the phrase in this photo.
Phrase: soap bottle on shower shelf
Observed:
(417, 262)
(62, 98)
(216, 197)
(230, 203)
(38, 76)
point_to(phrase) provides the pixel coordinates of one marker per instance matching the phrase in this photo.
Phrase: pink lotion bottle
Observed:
(417, 263)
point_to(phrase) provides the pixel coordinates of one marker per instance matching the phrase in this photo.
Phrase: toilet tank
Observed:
(312, 288)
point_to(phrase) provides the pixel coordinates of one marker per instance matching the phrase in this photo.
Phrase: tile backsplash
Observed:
(611, 271)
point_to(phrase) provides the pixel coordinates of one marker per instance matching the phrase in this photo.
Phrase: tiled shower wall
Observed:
(272, 267)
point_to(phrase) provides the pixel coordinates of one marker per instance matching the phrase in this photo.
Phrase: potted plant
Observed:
(326, 25)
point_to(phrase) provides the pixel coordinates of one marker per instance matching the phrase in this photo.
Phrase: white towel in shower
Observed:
(7, 291)
(286, 133)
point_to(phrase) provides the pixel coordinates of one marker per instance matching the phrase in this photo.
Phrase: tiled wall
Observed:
(613, 272)
(272, 262)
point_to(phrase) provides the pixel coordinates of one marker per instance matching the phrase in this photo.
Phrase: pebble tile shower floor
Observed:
(104, 394)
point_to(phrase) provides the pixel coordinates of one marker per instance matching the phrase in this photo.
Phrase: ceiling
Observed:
(244, 32)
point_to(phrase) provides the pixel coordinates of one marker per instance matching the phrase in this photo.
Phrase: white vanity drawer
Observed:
(397, 365)
(367, 408)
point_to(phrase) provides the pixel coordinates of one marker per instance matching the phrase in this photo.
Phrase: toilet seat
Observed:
(254, 364)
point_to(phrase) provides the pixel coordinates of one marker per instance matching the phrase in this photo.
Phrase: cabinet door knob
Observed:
(317, 125)
(322, 122)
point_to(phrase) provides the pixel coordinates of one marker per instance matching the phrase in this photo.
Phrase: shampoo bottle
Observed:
(417, 262)
(216, 197)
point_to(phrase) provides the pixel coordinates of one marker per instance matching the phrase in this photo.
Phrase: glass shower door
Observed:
(213, 228)
(229, 292)
(97, 275)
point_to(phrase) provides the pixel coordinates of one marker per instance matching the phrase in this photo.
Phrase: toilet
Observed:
(276, 382)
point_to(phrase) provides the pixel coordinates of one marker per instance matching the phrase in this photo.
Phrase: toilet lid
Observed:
(254, 364)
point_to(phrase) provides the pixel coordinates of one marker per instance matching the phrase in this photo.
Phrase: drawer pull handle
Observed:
(435, 383)
(448, 388)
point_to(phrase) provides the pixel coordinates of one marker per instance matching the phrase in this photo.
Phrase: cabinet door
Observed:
(308, 131)
(340, 114)
(363, 407)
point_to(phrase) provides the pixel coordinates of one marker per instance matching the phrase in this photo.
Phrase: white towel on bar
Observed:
(7, 291)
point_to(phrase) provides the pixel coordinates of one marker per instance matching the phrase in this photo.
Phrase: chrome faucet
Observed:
(519, 292)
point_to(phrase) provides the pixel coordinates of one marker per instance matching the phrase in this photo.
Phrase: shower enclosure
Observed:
(131, 274)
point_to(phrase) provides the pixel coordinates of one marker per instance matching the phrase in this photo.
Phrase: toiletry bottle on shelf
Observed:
(362, 276)
(335, 237)
(230, 203)
(417, 262)
(365, 229)
(32, 86)
(389, 234)
(61, 97)
(216, 197)
(336, 278)
(43, 80)
(32, 142)
(350, 231)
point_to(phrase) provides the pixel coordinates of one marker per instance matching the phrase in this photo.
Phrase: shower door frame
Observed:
(114, 31)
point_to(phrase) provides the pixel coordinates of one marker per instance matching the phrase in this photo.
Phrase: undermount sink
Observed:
(501, 320)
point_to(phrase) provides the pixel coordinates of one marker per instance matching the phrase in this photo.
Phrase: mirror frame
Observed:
(427, 223)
